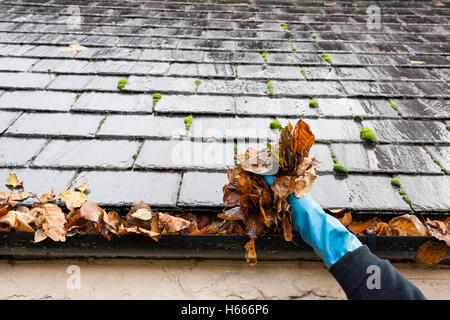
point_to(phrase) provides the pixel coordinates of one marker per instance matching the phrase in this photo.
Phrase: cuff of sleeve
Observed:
(351, 270)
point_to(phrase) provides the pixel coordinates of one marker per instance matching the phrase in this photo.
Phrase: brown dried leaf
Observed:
(13, 182)
(50, 221)
(287, 227)
(303, 138)
(73, 199)
(361, 227)
(439, 230)
(431, 252)
(91, 211)
(48, 197)
(172, 224)
(304, 183)
(407, 225)
(250, 253)
(74, 48)
(346, 218)
(233, 214)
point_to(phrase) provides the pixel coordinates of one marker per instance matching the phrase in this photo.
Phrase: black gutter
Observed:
(16, 245)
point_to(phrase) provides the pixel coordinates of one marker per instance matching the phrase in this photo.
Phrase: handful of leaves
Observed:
(261, 208)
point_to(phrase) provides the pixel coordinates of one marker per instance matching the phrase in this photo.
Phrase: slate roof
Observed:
(62, 118)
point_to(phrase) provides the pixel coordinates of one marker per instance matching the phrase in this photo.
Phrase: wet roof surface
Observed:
(63, 120)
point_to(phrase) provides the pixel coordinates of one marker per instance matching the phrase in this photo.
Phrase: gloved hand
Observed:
(326, 234)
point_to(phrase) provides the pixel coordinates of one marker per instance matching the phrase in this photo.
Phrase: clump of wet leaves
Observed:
(259, 208)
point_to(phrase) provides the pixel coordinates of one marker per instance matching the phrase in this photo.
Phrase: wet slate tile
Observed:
(63, 66)
(358, 192)
(6, 119)
(310, 89)
(110, 53)
(321, 152)
(433, 89)
(13, 49)
(409, 131)
(334, 130)
(381, 89)
(442, 154)
(423, 108)
(17, 152)
(206, 44)
(137, 126)
(66, 82)
(427, 193)
(164, 84)
(266, 106)
(55, 124)
(126, 188)
(233, 87)
(40, 181)
(16, 64)
(113, 102)
(25, 80)
(37, 100)
(345, 107)
(195, 104)
(385, 158)
(399, 73)
(87, 154)
(104, 83)
(202, 189)
(184, 154)
(269, 72)
(49, 52)
(343, 59)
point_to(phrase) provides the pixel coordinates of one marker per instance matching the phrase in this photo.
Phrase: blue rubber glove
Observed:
(326, 234)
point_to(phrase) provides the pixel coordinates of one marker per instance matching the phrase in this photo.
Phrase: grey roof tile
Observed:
(427, 193)
(55, 124)
(25, 80)
(201, 104)
(113, 102)
(37, 100)
(184, 154)
(17, 152)
(202, 189)
(6, 119)
(87, 154)
(127, 188)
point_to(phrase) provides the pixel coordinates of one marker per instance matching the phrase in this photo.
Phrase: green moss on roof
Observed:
(358, 118)
(263, 53)
(156, 98)
(313, 103)
(313, 36)
(283, 25)
(340, 169)
(198, 82)
(396, 182)
(188, 122)
(270, 87)
(369, 135)
(293, 47)
(303, 72)
(395, 107)
(434, 159)
(448, 127)
(121, 84)
(326, 57)
(275, 124)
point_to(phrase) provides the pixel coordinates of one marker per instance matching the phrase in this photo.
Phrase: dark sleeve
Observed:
(364, 276)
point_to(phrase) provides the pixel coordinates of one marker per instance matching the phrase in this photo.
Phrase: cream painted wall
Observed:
(191, 279)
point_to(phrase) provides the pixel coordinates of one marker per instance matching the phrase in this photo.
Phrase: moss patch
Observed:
(136, 155)
(313, 104)
(275, 124)
(396, 183)
(313, 36)
(358, 118)
(326, 57)
(369, 135)
(448, 127)
(270, 87)
(340, 169)
(395, 107)
(283, 25)
(303, 72)
(100, 124)
(263, 53)
(198, 82)
(434, 159)
(156, 98)
(121, 84)
(293, 47)
(188, 122)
